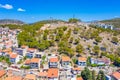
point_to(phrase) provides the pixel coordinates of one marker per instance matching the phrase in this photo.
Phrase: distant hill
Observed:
(11, 21)
(115, 22)
(49, 21)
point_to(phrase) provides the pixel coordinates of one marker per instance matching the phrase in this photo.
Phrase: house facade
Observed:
(100, 61)
(82, 61)
(53, 62)
(35, 63)
(65, 61)
(39, 54)
(76, 70)
(14, 58)
(30, 53)
(20, 51)
(42, 76)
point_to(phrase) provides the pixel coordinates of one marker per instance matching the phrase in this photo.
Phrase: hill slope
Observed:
(115, 22)
(10, 21)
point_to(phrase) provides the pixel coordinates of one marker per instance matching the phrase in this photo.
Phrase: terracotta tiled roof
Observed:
(77, 69)
(34, 60)
(0, 50)
(2, 72)
(27, 61)
(79, 78)
(52, 73)
(82, 59)
(13, 55)
(53, 59)
(14, 78)
(65, 58)
(23, 46)
(116, 75)
(42, 74)
(7, 50)
(30, 77)
(31, 49)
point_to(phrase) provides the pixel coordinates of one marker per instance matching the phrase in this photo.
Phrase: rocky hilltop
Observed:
(11, 21)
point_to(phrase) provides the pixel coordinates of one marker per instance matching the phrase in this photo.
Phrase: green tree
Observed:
(96, 50)
(101, 76)
(117, 61)
(79, 48)
(88, 61)
(118, 51)
(115, 39)
(76, 30)
(86, 74)
(57, 38)
(76, 41)
(71, 40)
(73, 20)
(98, 39)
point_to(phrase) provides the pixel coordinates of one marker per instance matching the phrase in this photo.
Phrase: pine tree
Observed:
(86, 74)
(101, 76)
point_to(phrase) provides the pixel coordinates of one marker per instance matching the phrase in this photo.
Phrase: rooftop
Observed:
(65, 58)
(24, 46)
(13, 55)
(76, 69)
(35, 60)
(27, 61)
(116, 75)
(2, 72)
(14, 78)
(82, 59)
(79, 78)
(30, 77)
(31, 49)
(52, 72)
(53, 59)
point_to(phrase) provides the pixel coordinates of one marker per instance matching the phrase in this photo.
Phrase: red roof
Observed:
(30, 77)
(2, 73)
(65, 58)
(13, 55)
(82, 59)
(116, 75)
(76, 69)
(53, 59)
(52, 73)
(23, 46)
(27, 61)
(14, 78)
(79, 78)
(31, 49)
(35, 60)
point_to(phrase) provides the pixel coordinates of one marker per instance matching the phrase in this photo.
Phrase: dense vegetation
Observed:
(73, 20)
(70, 41)
(91, 75)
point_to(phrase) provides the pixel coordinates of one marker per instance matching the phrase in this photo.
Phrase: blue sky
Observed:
(35, 10)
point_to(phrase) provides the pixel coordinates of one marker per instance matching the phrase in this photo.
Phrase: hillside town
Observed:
(25, 63)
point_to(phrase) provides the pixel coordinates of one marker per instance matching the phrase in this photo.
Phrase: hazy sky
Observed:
(35, 10)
